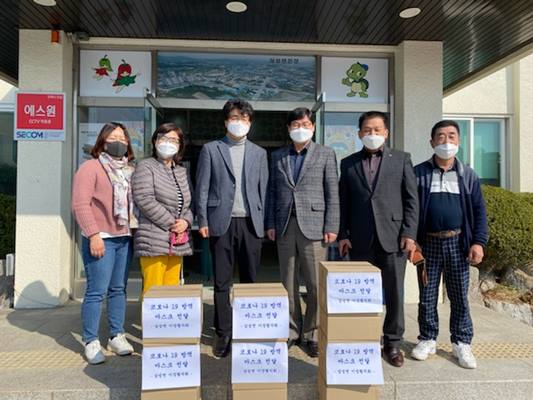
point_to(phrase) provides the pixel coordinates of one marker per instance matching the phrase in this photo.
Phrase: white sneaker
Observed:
(464, 354)
(119, 345)
(423, 349)
(93, 352)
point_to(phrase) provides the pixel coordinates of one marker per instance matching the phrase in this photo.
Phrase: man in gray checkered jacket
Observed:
(453, 233)
(302, 217)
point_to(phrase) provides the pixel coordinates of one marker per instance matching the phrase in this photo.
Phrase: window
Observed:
(483, 148)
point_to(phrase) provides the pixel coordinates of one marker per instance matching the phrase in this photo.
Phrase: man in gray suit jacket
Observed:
(231, 182)
(303, 217)
(379, 218)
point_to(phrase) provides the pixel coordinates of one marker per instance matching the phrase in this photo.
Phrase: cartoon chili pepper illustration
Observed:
(103, 69)
(124, 76)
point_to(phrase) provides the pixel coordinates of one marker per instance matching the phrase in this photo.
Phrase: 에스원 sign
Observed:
(40, 116)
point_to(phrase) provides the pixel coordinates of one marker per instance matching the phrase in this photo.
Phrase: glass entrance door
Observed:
(91, 120)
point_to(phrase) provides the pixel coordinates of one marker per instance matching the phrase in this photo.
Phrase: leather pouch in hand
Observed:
(420, 262)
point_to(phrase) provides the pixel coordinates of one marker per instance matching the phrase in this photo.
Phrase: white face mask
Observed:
(166, 150)
(373, 142)
(238, 128)
(301, 135)
(446, 150)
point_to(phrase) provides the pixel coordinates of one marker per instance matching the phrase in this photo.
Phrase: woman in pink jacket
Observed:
(103, 207)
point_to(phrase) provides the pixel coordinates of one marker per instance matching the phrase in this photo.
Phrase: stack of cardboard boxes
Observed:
(259, 348)
(350, 303)
(172, 326)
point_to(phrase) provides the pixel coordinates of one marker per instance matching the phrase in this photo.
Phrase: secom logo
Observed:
(30, 135)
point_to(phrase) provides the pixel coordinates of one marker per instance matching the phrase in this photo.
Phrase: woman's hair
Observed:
(104, 134)
(162, 130)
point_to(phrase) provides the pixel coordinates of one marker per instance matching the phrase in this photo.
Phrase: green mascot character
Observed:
(355, 79)
(103, 69)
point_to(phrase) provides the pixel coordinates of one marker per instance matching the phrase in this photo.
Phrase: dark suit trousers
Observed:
(241, 244)
(392, 266)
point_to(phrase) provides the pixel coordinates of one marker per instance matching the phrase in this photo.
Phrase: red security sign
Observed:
(39, 116)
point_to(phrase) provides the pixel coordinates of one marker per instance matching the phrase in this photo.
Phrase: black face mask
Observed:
(116, 149)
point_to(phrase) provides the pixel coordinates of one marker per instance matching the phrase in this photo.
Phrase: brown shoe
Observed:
(394, 356)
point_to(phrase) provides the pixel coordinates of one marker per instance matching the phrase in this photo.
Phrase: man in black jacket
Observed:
(379, 217)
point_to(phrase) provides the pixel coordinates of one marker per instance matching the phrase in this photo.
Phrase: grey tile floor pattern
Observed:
(40, 358)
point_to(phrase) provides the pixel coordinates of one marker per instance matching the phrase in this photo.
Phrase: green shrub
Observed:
(510, 219)
(527, 196)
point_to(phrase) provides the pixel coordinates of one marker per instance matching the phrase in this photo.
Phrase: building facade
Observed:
(48, 266)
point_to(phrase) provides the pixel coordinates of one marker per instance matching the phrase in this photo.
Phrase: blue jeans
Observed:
(106, 276)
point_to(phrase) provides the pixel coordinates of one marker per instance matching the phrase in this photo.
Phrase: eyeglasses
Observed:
(166, 139)
(236, 118)
(297, 125)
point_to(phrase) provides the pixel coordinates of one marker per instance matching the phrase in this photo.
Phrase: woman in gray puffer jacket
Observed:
(162, 194)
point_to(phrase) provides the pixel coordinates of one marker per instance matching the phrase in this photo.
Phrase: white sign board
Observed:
(356, 80)
(354, 292)
(354, 364)
(115, 73)
(40, 116)
(261, 317)
(178, 317)
(167, 367)
(259, 362)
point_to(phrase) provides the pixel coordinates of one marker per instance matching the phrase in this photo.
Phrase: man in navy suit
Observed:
(231, 184)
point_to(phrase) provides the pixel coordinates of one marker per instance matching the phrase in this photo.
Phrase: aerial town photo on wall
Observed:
(251, 77)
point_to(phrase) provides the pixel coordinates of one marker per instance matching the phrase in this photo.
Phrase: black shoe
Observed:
(222, 346)
(292, 342)
(312, 349)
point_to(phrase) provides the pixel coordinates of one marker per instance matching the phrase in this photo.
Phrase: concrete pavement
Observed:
(41, 358)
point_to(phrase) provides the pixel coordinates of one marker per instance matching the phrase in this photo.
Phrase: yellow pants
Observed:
(160, 270)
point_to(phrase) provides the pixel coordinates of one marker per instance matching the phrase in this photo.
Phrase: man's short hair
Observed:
(243, 106)
(373, 114)
(300, 113)
(443, 124)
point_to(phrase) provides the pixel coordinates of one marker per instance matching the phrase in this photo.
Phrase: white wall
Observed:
(523, 126)
(507, 93)
(7, 94)
(43, 226)
(491, 95)
(418, 96)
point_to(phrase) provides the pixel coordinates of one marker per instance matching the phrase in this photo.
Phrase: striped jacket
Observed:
(156, 196)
